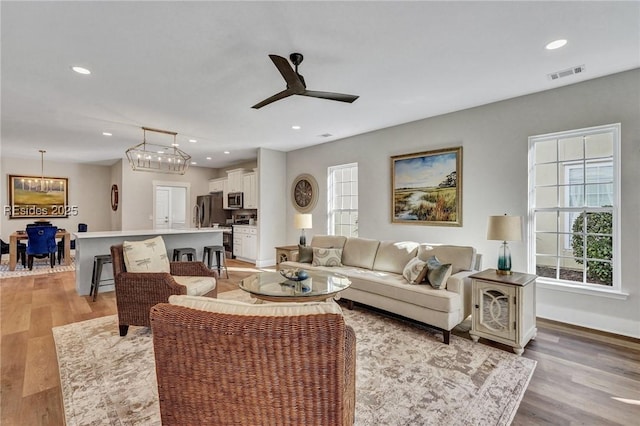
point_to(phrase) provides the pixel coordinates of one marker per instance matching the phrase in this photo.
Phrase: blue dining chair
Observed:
(41, 243)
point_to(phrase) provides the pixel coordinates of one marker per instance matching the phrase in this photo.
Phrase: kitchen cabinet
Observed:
(245, 242)
(250, 190)
(234, 180)
(217, 185)
(504, 308)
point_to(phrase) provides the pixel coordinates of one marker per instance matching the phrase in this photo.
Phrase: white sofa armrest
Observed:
(461, 283)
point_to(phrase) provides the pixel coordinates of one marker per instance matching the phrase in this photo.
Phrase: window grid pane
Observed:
(573, 231)
(343, 200)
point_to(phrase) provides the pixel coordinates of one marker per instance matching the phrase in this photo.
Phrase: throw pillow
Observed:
(327, 257)
(305, 254)
(438, 273)
(415, 271)
(146, 256)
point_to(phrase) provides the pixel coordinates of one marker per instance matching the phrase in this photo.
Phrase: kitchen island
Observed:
(90, 244)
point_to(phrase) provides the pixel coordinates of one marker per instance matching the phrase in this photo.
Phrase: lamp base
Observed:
(303, 240)
(499, 272)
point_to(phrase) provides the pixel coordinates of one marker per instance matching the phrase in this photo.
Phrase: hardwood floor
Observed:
(582, 377)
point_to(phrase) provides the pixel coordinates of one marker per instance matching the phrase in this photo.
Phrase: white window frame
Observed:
(331, 201)
(594, 289)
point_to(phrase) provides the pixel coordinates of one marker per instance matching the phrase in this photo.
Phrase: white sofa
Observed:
(375, 270)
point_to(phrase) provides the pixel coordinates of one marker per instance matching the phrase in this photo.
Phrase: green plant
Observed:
(598, 246)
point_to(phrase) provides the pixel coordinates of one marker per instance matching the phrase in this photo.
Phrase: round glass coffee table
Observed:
(273, 287)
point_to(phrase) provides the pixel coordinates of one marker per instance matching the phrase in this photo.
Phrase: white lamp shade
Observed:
(302, 221)
(504, 228)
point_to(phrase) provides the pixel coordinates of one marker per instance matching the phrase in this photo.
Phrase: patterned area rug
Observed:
(40, 267)
(405, 375)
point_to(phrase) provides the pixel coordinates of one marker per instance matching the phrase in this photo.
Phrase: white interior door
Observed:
(163, 208)
(170, 207)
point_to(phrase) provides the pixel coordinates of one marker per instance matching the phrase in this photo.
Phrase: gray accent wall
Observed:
(494, 138)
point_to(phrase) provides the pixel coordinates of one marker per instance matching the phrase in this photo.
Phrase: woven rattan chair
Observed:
(228, 369)
(137, 292)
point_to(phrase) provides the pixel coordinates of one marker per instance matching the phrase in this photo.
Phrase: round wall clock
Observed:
(304, 193)
(114, 197)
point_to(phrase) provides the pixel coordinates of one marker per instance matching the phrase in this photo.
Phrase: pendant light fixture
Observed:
(153, 157)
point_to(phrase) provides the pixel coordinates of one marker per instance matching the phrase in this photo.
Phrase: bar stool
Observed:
(178, 253)
(219, 251)
(96, 279)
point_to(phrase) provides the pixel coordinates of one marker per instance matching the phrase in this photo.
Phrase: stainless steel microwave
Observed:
(235, 200)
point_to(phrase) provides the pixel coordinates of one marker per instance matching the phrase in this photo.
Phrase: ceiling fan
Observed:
(296, 84)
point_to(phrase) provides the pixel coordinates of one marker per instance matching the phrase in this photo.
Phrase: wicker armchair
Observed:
(137, 292)
(230, 369)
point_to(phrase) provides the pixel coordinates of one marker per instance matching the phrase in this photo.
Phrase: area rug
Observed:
(405, 374)
(40, 267)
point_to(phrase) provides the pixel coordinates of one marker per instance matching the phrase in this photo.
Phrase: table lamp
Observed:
(504, 228)
(302, 221)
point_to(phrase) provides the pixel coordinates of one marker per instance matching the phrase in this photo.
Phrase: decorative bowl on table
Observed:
(294, 274)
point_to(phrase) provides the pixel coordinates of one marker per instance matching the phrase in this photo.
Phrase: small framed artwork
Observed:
(427, 188)
(38, 197)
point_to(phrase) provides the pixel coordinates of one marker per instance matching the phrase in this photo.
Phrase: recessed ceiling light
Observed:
(296, 127)
(556, 44)
(193, 140)
(208, 158)
(175, 144)
(81, 70)
(107, 134)
(193, 163)
(227, 152)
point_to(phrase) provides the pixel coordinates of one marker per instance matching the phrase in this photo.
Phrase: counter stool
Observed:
(219, 251)
(96, 279)
(184, 251)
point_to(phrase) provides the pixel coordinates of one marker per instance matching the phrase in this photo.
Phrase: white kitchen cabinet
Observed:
(225, 192)
(217, 185)
(245, 242)
(250, 190)
(234, 180)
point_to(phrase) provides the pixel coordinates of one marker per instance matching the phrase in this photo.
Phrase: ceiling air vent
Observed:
(566, 73)
(326, 135)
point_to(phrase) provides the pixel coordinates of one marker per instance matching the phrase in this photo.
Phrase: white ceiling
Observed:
(196, 68)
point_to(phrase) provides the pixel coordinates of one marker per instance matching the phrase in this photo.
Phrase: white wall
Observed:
(494, 181)
(272, 205)
(137, 193)
(89, 190)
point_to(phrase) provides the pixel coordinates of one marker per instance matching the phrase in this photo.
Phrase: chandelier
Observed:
(152, 157)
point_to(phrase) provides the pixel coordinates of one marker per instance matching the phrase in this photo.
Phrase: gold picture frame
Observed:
(38, 197)
(426, 188)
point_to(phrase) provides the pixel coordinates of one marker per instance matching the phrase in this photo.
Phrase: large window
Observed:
(573, 207)
(343, 200)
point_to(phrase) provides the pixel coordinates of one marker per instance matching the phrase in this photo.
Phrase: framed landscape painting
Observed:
(427, 188)
(37, 197)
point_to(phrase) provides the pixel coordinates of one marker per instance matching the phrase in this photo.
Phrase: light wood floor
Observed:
(582, 377)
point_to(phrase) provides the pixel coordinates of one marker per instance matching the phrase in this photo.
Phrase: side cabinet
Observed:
(504, 308)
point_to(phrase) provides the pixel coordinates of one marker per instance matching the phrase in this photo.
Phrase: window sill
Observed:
(568, 288)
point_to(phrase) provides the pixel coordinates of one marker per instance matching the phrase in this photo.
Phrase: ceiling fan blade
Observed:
(276, 97)
(293, 80)
(342, 97)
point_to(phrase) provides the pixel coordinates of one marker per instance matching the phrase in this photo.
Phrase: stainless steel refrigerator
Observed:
(211, 211)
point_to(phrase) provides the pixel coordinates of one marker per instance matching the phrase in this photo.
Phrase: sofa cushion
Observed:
(327, 257)
(196, 286)
(438, 273)
(395, 287)
(305, 254)
(392, 256)
(415, 271)
(146, 256)
(461, 258)
(234, 307)
(360, 252)
(328, 241)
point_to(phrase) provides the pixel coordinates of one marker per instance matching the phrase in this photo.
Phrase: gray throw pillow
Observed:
(305, 254)
(438, 273)
(327, 257)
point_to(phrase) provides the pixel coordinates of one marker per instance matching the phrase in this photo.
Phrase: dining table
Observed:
(18, 236)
